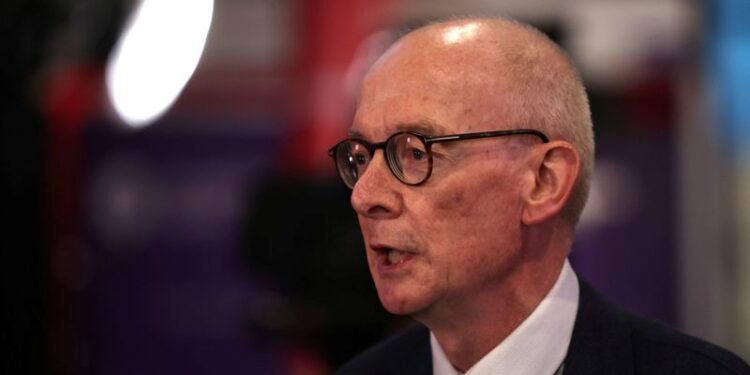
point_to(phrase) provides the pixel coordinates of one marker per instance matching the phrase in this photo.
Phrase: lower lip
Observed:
(384, 267)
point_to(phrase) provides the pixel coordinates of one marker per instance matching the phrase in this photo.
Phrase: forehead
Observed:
(425, 126)
(434, 90)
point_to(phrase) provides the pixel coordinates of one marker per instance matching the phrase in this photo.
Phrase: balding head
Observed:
(502, 75)
(480, 221)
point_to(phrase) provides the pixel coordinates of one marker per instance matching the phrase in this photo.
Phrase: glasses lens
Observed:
(408, 158)
(352, 159)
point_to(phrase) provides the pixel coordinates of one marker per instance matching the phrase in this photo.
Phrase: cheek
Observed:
(486, 200)
(478, 225)
(467, 215)
(452, 201)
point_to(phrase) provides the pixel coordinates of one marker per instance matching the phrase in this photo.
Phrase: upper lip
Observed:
(380, 248)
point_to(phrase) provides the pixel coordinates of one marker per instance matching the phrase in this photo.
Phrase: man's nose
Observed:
(374, 195)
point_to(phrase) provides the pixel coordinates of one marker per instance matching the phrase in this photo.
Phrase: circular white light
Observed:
(156, 56)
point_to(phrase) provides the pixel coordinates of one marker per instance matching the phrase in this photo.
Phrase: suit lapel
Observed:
(420, 362)
(601, 341)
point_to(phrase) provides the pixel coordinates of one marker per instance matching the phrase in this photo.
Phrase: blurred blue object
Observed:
(729, 63)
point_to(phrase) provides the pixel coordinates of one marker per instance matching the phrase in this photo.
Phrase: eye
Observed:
(417, 154)
(412, 149)
(358, 154)
(360, 159)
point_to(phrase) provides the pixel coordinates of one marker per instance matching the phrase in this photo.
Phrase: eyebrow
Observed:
(426, 126)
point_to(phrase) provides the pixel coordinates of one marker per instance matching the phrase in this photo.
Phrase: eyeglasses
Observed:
(408, 154)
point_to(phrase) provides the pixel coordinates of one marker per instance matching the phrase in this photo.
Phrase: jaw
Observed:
(402, 288)
(399, 299)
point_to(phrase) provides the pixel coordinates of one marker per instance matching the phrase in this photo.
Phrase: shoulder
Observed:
(606, 337)
(657, 346)
(407, 352)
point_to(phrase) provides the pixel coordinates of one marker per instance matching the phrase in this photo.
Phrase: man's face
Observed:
(452, 241)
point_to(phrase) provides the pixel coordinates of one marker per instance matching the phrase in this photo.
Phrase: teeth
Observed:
(395, 257)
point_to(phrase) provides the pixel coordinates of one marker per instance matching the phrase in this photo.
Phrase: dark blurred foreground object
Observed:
(24, 27)
(304, 242)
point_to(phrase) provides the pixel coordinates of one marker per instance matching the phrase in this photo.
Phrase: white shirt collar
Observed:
(537, 346)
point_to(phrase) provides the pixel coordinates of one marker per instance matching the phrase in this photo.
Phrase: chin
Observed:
(400, 305)
(396, 309)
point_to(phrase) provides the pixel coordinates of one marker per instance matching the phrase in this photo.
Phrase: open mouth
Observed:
(391, 257)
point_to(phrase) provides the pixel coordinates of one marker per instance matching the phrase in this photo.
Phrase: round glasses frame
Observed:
(349, 173)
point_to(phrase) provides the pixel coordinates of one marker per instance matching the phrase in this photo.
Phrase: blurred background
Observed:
(170, 206)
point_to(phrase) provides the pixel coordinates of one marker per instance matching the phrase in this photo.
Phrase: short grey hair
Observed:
(548, 94)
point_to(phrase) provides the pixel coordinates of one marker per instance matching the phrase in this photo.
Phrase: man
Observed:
(470, 158)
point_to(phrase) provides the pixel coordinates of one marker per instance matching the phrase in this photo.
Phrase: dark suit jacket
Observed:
(605, 340)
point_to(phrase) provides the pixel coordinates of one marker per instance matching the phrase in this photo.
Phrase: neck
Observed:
(467, 332)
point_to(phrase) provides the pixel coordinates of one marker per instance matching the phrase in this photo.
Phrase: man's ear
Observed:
(555, 171)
